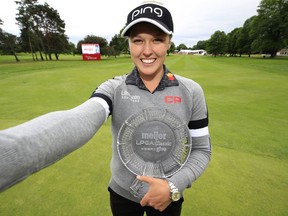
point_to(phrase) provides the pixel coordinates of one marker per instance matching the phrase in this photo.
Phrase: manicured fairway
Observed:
(248, 107)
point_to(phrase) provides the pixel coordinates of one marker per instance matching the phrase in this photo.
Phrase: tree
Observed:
(246, 38)
(181, 47)
(232, 39)
(200, 45)
(271, 26)
(42, 29)
(24, 21)
(50, 29)
(8, 43)
(109, 51)
(172, 48)
(217, 44)
(72, 48)
(119, 45)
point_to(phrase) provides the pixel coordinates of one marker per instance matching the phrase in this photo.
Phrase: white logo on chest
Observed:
(127, 96)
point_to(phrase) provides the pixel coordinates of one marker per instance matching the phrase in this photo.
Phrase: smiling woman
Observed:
(172, 107)
(148, 47)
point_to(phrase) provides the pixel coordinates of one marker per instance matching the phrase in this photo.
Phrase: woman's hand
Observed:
(158, 195)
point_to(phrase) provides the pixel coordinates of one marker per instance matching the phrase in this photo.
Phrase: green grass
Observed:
(247, 100)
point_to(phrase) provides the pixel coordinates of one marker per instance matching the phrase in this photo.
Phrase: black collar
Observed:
(167, 80)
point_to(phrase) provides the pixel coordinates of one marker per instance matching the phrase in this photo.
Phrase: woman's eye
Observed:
(137, 41)
(158, 40)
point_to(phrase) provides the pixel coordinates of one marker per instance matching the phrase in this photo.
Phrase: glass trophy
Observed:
(153, 142)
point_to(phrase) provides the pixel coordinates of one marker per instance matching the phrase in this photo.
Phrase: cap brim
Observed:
(156, 23)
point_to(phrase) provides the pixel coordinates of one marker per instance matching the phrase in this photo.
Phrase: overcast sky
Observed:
(194, 20)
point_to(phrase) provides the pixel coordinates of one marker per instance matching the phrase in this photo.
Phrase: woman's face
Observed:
(148, 47)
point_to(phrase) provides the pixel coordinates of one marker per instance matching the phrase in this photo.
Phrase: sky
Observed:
(194, 20)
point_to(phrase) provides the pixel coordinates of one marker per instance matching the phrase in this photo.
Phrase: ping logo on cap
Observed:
(157, 11)
(152, 13)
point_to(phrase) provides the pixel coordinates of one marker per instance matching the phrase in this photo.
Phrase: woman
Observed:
(149, 88)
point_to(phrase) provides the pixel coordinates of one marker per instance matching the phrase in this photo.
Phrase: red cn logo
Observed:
(172, 99)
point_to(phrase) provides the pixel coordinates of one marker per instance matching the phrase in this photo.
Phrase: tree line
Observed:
(42, 33)
(265, 33)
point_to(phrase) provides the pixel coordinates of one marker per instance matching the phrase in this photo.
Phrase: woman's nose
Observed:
(147, 49)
